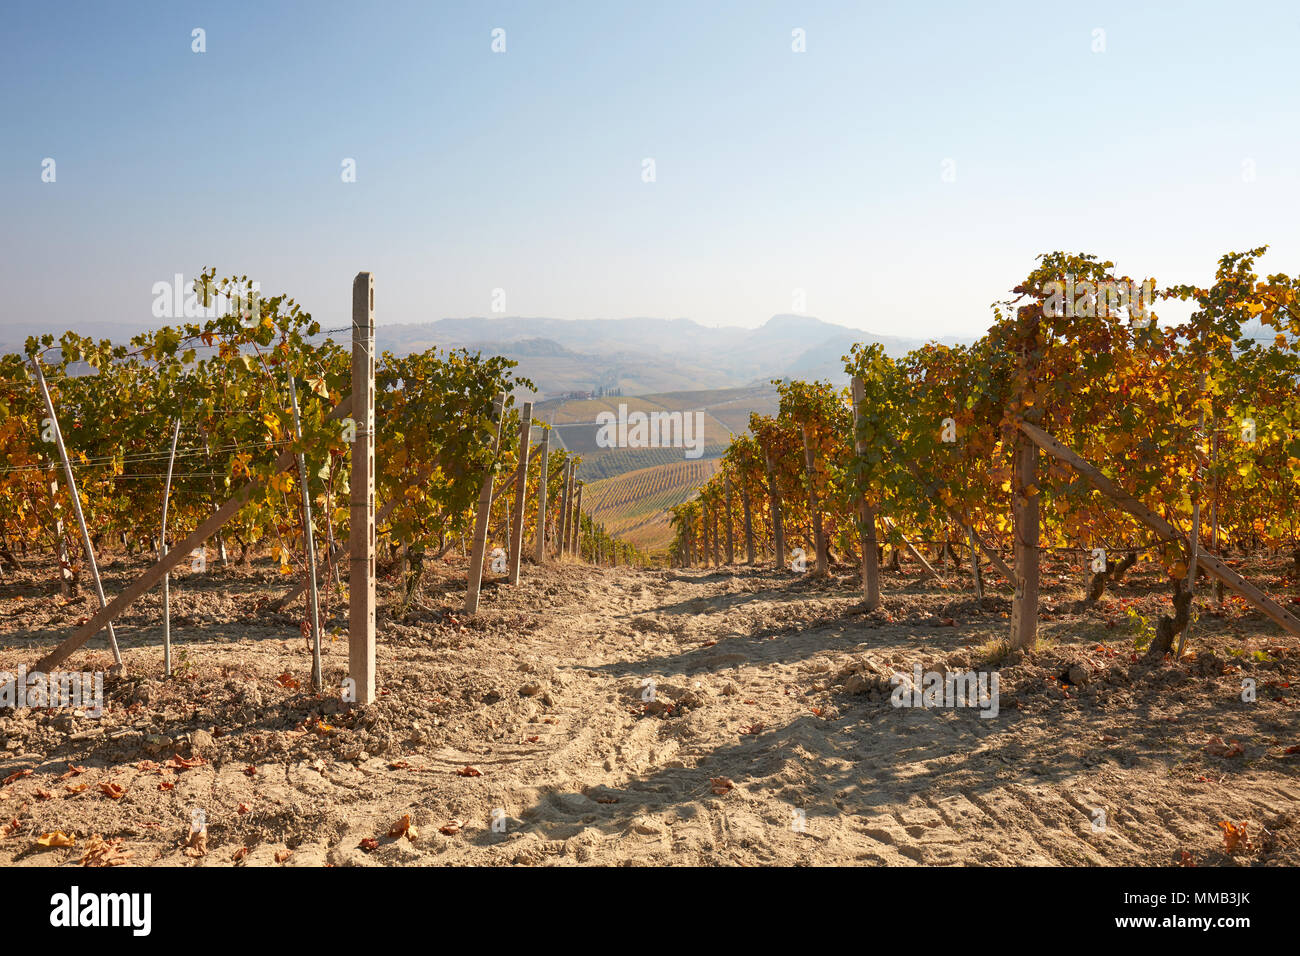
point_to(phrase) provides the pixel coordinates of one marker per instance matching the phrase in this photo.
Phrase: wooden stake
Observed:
(819, 533)
(162, 538)
(76, 505)
(867, 514)
(541, 497)
(731, 544)
(475, 581)
(521, 493)
(577, 523)
(562, 519)
(361, 495)
(975, 564)
(309, 546)
(749, 523)
(778, 530)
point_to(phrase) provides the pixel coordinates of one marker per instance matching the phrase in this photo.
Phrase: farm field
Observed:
(726, 414)
(636, 505)
(770, 704)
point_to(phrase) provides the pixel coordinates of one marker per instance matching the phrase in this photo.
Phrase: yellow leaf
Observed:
(56, 838)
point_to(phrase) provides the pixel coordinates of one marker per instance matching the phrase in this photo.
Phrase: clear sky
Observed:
(775, 170)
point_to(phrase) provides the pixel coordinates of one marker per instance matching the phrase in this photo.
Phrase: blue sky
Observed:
(522, 170)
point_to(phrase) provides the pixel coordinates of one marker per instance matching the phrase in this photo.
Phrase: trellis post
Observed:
(541, 496)
(475, 580)
(521, 493)
(162, 539)
(309, 545)
(361, 543)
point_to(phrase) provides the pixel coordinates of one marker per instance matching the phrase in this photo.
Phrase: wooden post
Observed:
(521, 493)
(308, 546)
(577, 523)
(731, 543)
(1024, 604)
(541, 496)
(76, 506)
(749, 522)
(819, 533)
(1214, 507)
(477, 555)
(867, 514)
(1194, 540)
(362, 532)
(1026, 526)
(975, 564)
(778, 531)
(562, 519)
(162, 538)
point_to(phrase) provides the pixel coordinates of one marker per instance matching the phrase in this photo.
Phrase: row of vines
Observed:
(231, 381)
(1196, 420)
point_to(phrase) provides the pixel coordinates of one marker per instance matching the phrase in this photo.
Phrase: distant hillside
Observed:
(724, 412)
(648, 356)
(634, 507)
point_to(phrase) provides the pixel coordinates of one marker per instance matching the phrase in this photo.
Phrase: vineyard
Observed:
(353, 609)
(196, 428)
(1079, 425)
(636, 506)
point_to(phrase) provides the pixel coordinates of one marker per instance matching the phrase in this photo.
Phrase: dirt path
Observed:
(767, 735)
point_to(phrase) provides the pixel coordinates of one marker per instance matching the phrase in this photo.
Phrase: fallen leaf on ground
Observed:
(282, 855)
(1217, 748)
(721, 785)
(451, 827)
(9, 829)
(197, 845)
(1234, 835)
(56, 838)
(112, 791)
(287, 680)
(166, 785)
(183, 763)
(16, 775)
(73, 771)
(76, 787)
(101, 852)
(469, 772)
(239, 854)
(368, 844)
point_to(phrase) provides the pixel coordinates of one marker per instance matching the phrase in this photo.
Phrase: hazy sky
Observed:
(775, 170)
